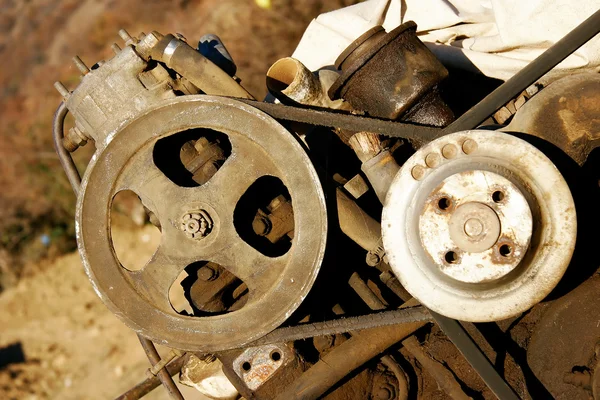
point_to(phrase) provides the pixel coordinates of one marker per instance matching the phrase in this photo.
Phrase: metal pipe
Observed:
(345, 358)
(354, 325)
(163, 375)
(528, 75)
(151, 383)
(196, 68)
(64, 156)
(356, 223)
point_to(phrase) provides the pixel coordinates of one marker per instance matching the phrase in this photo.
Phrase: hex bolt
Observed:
(64, 92)
(196, 224)
(80, 65)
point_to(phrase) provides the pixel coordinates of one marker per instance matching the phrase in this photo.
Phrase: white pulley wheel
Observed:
(479, 226)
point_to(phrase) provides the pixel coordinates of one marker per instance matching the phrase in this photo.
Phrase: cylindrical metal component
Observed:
(63, 155)
(365, 293)
(345, 358)
(211, 47)
(163, 375)
(125, 36)
(356, 223)
(148, 385)
(196, 68)
(288, 79)
(80, 65)
(64, 92)
(528, 75)
(393, 76)
(380, 171)
(115, 48)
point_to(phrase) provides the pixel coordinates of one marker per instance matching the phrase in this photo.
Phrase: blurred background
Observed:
(57, 340)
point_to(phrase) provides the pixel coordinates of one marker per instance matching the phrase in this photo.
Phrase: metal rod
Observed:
(473, 354)
(151, 383)
(163, 375)
(397, 317)
(528, 75)
(63, 155)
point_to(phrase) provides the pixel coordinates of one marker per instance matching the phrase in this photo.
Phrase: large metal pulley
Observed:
(197, 224)
(479, 225)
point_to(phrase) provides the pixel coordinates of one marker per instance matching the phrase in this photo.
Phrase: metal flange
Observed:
(197, 224)
(479, 225)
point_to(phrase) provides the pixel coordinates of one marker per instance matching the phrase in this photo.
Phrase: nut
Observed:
(196, 224)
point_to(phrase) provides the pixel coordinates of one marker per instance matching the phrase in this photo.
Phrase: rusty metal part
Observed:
(163, 374)
(474, 356)
(528, 75)
(565, 113)
(345, 358)
(375, 303)
(401, 316)
(356, 223)
(566, 338)
(445, 378)
(256, 365)
(472, 234)
(199, 70)
(151, 383)
(276, 285)
(393, 76)
(462, 290)
(202, 159)
(394, 367)
(292, 83)
(276, 221)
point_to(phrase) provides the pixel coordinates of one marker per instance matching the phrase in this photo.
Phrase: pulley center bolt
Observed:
(473, 227)
(196, 224)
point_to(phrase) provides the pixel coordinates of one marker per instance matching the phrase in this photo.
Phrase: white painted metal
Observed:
(483, 234)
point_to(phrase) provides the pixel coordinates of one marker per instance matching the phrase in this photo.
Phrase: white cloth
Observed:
(496, 37)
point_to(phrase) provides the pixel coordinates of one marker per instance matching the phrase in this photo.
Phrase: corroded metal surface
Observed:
(276, 285)
(566, 114)
(564, 342)
(393, 76)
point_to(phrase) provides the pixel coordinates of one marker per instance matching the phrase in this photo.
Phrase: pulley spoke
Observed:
(258, 271)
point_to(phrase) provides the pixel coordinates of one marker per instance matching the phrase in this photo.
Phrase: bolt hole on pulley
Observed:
(444, 203)
(498, 196)
(451, 257)
(505, 250)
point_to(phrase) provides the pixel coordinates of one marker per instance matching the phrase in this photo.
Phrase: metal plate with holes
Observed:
(479, 225)
(277, 285)
(257, 364)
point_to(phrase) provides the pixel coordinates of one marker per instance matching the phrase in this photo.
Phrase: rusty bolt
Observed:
(196, 224)
(74, 139)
